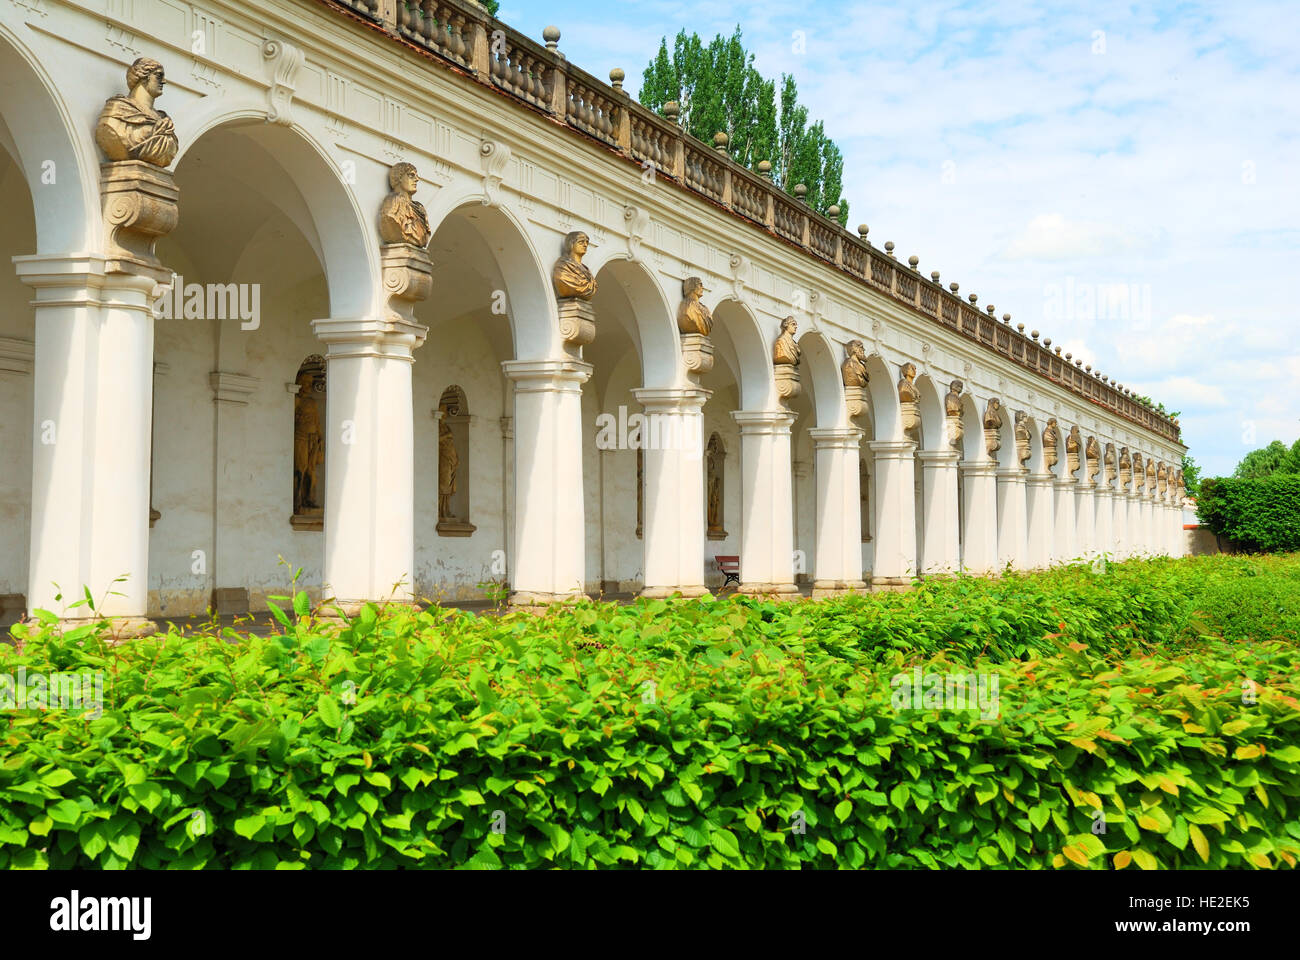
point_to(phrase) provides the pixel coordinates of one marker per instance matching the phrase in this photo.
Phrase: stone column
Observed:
(1133, 525)
(1085, 503)
(1065, 545)
(550, 550)
(1013, 519)
(1148, 523)
(1105, 541)
(674, 520)
(369, 461)
(93, 393)
(980, 536)
(894, 563)
(837, 566)
(767, 510)
(1042, 516)
(1119, 522)
(941, 549)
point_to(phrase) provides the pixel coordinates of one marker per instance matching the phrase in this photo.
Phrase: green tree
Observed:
(492, 6)
(1191, 476)
(1275, 458)
(718, 89)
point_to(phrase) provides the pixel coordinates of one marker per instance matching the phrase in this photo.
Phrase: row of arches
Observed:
(397, 485)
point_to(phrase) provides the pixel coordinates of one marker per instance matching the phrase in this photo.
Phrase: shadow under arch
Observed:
(886, 420)
(37, 129)
(628, 294)
(930, 404)
(491, 243)
(740, 344)
(973, 448)
(821, 378)
(288, 169)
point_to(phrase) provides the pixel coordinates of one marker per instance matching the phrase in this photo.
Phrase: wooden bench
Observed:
(730, 568)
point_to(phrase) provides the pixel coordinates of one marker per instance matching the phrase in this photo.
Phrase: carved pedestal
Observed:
(787, 381)
(955, 431)
(992, 441)
(911, 415)
(140, 205)
(855, 398)
(697, 352)
(408, 279)
(577, 321)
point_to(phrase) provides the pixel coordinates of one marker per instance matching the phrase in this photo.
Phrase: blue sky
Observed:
(1124, 178)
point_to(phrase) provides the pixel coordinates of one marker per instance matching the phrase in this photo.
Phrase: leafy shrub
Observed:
(1259, 514)
(687, 733)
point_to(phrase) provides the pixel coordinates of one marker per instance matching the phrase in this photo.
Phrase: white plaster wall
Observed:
(450, 568)
(717, 419)
(17, 236)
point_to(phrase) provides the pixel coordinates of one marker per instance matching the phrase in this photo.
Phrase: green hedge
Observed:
(1259, 514)
(682, 734)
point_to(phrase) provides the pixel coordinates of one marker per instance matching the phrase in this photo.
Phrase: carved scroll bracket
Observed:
(285, 60)
(495, 159)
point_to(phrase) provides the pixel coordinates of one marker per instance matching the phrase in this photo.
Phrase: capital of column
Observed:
(547, 376)
(1012, 474)
(892, 449)
(938, 459)
(672, 399)
(760, 422)
(385, 338)
(1040, 479)
(975, 468)
(1067, 482)
(835, 438)
(1105, 490)
(78, 280)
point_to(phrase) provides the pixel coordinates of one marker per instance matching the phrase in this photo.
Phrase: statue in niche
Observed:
(992, 424)
(1110, 463)
(1151, 476)
(785, 352)
(1093, 449)
(402, 218)
(693, 316)
(1162, 477)
(1072, 445)
(129, 127)
(716, 465)
(1125, 467)
(573, 280)
(854, 368)
(1139, 475)
(1023, 439)
(448, 464)
(864, 499)
(640, 492)
(1051, 440)
(308, 444)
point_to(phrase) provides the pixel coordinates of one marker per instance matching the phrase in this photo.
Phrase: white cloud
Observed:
(1050, 236)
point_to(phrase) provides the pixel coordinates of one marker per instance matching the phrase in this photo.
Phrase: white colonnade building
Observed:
(216, 353)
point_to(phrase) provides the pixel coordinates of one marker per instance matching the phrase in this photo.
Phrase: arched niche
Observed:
(309, 399)
(453, 421)
(715, 488)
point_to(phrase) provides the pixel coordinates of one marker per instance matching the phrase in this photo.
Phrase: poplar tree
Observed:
(718, 89)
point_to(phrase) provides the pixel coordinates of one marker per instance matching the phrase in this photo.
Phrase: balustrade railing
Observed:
(464, 33)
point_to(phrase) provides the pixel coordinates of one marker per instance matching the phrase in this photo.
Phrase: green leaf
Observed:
(328, 706)
(724, 841)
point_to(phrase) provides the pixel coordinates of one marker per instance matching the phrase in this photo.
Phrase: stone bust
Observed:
(1051, 437)
(402, 218)
(1023, 438)
(906, 387)
(573, 280)
(993, 415)
(1093, 449)
(952, 402)
(129, 127)
(853, 370)
(693, 316)
(785, 350)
